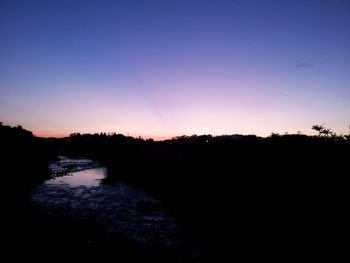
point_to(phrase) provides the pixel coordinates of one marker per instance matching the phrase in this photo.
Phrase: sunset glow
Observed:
(166, 68)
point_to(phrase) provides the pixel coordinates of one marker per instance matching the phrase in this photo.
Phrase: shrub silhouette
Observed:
(322, 130)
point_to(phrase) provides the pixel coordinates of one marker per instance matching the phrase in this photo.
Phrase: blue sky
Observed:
(166, 68)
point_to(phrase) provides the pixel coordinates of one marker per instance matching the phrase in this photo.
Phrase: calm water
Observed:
(77, 193)
(67, 166)
(88, 178)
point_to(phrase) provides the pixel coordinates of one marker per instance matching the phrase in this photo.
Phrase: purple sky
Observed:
(166, 68)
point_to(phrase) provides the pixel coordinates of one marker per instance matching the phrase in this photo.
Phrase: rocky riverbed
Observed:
(78, 195)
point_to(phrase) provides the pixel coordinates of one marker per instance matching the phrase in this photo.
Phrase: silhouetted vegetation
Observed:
(246, 187)
(322, 131)
(25, 157)
(258, 197)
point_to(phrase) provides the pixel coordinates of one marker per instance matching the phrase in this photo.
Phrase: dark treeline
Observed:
(278, 197)
(25, 157)
(267, 194)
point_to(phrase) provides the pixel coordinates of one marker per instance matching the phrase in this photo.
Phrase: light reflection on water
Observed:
(77, 194)
(88, 178)
(68, 166)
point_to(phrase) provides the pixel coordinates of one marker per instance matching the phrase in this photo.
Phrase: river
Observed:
(77, 193)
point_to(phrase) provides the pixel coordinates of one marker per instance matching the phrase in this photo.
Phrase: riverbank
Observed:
(119, 210)
(254, 198)
(244, 199)
(42, 237)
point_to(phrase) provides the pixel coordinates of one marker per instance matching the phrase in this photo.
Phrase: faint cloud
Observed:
(305, 65)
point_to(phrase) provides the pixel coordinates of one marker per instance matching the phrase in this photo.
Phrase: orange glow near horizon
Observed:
(158, 70)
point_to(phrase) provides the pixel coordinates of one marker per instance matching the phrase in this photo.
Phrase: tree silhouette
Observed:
(347, 137)
(327, 132)
(322, 130)
(318, 128)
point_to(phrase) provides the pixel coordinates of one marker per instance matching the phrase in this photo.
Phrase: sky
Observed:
(166, 68)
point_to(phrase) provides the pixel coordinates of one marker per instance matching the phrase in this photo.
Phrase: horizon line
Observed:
(164, 138)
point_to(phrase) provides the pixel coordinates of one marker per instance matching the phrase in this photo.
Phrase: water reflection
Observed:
(65, 165)
(88, 178)
(77, 194)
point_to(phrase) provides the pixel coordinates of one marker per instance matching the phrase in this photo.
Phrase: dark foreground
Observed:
(244, 198)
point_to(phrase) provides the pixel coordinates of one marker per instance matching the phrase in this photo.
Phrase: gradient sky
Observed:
(166, 68)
